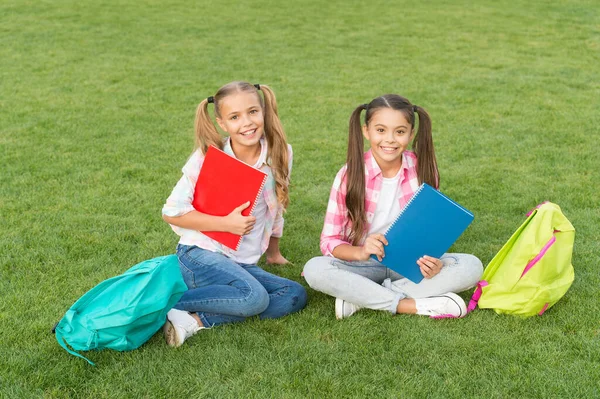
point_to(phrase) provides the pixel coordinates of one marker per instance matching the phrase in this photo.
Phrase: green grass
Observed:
(97, 101)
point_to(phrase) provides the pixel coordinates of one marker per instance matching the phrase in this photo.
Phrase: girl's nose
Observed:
(246, 120)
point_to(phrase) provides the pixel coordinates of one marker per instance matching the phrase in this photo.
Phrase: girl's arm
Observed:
(333, 237)
(334, 234)
(273, 252)
(374, 245)
(278, 223)
(233, 223)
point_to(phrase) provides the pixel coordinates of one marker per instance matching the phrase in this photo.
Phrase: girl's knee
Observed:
(313, 270)
(472, 269)
(298, 297)
(291, 298)
(255, 302)
(475, 266)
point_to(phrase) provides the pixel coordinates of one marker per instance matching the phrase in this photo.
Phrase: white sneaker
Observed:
(441, 306)
(180, 325)
(344, 309)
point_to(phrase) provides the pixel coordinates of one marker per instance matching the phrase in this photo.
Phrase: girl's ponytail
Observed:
(427, 169)
(205, 130)
(355, 178)
(277, 146)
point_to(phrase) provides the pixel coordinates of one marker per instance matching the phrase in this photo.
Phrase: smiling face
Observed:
(389, 133)
(241, 116)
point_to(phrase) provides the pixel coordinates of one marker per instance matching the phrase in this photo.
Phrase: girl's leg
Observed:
(459, 273)
(285, 296)
(219, 289)
(358, 283)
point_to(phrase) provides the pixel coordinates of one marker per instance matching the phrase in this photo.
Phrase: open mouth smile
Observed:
(388, 150)
(248, 132)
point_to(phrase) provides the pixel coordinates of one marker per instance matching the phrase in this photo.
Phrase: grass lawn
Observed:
(97, 101)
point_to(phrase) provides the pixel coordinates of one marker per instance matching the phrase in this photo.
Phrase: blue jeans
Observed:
(221, 290)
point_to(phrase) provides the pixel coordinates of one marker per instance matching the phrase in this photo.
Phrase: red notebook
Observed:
(224, 183)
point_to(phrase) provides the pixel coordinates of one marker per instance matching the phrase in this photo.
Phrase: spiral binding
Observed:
(405, 208)
(260, 190)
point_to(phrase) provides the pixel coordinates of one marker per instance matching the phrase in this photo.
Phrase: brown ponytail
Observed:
(355, 178)
(427, 170)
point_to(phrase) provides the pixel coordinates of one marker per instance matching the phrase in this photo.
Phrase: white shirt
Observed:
(388, 206)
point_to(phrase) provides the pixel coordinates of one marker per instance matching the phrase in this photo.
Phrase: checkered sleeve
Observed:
(333, 233)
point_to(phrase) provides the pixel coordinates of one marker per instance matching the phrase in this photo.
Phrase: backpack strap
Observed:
(472, 303)
(58, 332)
(63, 343)
(476, 296)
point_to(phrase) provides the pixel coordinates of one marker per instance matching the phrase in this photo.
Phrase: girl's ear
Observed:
(365, 132)
(221, 124)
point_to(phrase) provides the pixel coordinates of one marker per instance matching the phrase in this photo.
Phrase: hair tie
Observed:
(210, 99)
(415, 108)
(257, 86)
(365, 106)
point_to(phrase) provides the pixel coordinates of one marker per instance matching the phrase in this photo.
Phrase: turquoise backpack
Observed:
(123, 312)
(533, 269)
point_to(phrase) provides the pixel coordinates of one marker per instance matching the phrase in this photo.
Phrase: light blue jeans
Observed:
(360, 282)
(223, 291)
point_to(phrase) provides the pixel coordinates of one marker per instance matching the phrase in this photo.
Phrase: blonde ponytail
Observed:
(205, 131)
(277, 146)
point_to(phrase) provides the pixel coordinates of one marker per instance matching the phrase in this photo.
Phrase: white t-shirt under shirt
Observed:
(388, 206)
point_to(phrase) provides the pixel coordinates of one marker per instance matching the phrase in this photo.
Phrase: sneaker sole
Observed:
(171, 335)
(458, 301)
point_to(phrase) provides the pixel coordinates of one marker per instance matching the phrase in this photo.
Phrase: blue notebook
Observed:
(428, 225)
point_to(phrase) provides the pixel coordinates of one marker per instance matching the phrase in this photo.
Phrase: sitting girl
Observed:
(368, 194)
(227, 286)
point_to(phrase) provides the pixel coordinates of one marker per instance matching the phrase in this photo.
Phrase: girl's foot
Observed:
(344, 309)
(180, 326)
(440, 306)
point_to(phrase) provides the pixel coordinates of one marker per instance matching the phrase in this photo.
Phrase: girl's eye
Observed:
(400, 132)
(380, 130)
(253, 111)
(234, 117)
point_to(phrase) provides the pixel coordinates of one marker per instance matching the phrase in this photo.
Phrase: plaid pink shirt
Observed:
(337, 226)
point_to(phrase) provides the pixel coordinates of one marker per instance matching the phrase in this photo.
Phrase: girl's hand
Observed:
(373, 246)
(238, 224)
(430, 266)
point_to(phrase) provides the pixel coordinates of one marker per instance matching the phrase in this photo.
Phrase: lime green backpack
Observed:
(123, 312)
(533, 269)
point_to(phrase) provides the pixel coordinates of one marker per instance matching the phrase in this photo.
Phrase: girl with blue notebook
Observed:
(368, 194)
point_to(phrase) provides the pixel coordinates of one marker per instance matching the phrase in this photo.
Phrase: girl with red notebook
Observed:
(226, 285)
